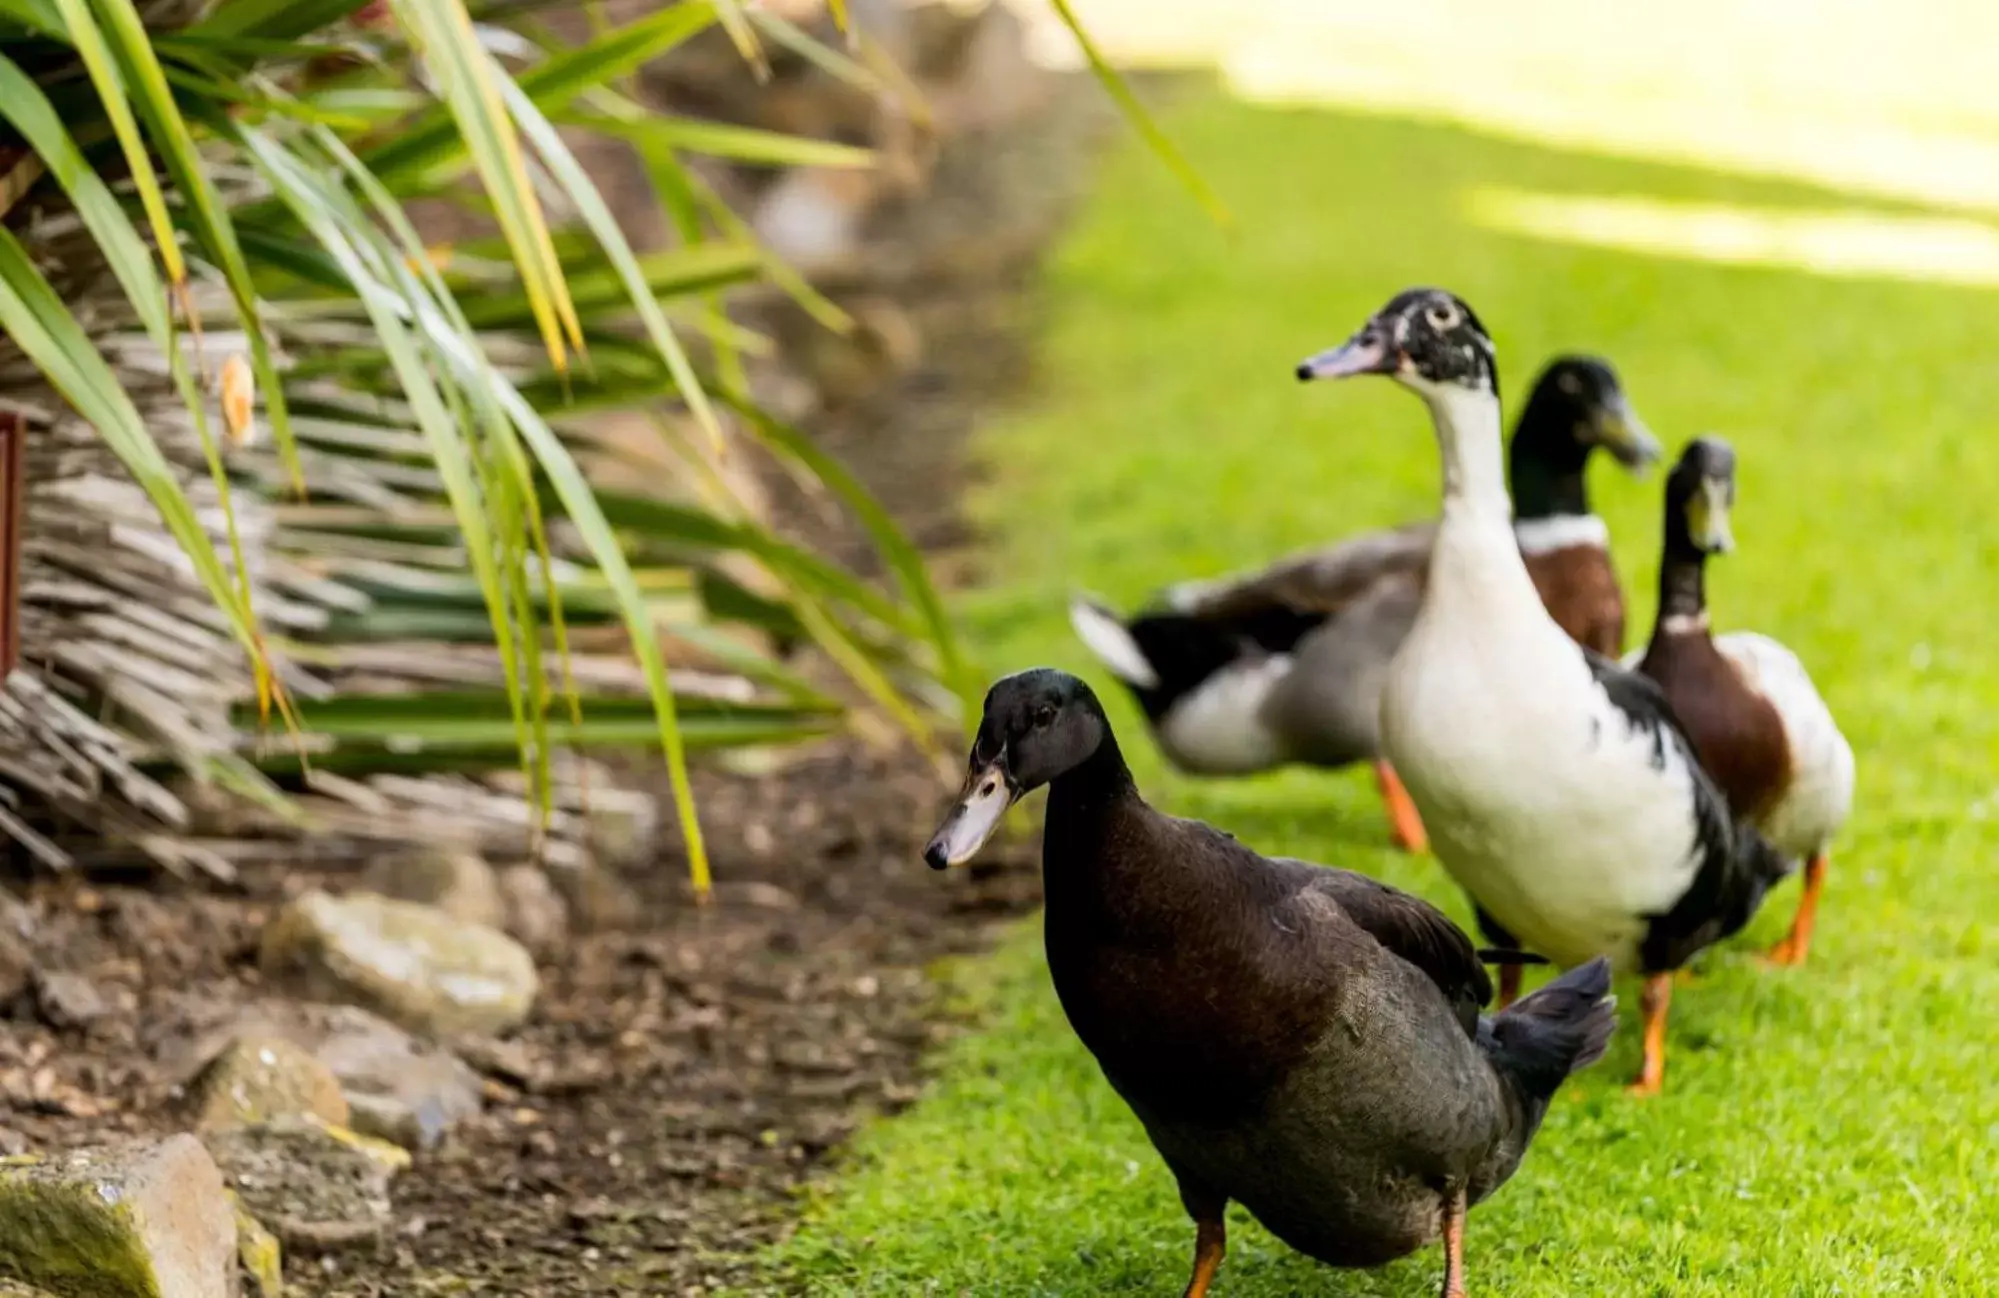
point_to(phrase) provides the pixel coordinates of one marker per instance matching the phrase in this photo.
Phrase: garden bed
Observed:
(686, 1068)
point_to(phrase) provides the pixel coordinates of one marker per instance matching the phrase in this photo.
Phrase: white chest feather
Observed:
(1538, 536)
(1565, 820)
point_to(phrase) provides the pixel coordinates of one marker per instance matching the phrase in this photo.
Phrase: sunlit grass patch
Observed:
(1947, 250)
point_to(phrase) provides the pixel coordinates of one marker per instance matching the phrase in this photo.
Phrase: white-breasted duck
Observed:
(1557, 785)
(1284, 665)
(1757, 721)
(1302, 1040)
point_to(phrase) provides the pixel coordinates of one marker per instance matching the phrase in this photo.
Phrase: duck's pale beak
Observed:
(1708, 516)
(1365, 353)
(988, 792)
(1620, 431)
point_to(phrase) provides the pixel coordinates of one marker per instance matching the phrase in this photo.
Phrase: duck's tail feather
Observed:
(1105, 634)
(1557, 1030)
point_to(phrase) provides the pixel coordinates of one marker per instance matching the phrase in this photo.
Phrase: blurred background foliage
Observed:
(364, 439)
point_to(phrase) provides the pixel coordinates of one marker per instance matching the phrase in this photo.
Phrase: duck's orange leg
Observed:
(1210, 1242)
(1454, 1247)
(1509, 985)
(1658, 996)
(1798, 942)
(1403, 821)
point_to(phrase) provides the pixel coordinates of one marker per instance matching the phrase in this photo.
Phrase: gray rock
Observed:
(145, 1220)
(537, 916)
(68, 1000)
(509, 1061)
(412, 964)
(395, 1087)
(455, 880)
(260, 1076)
(317, 1188)
(398, 1090)
(599, 901)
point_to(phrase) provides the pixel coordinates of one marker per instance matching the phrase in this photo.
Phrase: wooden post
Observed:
(13, 507)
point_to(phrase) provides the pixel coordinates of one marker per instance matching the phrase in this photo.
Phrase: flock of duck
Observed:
(1311, 1043)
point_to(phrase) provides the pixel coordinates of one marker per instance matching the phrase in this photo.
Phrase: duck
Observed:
(1298, 1039)
(1558, 786)
(1284, 665)
(1757, 721)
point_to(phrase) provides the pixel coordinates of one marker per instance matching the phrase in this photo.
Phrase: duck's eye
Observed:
(1442, 316)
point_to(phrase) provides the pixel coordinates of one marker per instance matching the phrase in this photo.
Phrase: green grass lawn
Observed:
(1827, 1131)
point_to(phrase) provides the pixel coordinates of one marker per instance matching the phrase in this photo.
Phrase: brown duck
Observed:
(1756, 720)
(1285, 665)
(1301, 1040)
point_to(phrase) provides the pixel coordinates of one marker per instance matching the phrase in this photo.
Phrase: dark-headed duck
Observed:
(1757, 721)
(1302, 1040)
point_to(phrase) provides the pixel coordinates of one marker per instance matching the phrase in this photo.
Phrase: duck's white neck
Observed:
(1476, 573)
(1474, 460)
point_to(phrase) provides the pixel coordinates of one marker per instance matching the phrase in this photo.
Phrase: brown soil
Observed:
(698, 1068)
(684, 1076)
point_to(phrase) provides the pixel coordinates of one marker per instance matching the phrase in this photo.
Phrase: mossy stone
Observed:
(145, 1220)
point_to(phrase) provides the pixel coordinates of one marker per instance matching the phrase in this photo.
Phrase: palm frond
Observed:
(271, 155)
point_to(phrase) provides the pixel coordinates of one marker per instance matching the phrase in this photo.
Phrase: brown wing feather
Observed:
(1736, 732)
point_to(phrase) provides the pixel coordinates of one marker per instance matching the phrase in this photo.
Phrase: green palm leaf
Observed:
(1142, 121)
(443, 32)
(596, 214)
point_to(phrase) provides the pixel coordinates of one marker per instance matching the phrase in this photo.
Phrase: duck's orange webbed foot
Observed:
(1797, 944)
(1405, 824)
(1657, 998)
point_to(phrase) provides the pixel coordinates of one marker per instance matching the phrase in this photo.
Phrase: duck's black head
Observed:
(1700, 492)
(1576, 406)
(1425, 339)
(1038, 725)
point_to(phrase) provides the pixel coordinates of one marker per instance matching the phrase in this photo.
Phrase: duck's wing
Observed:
(1734, 864)
(1215, 652)
(1409, 928)
(1819, 794)
(1312, 584)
